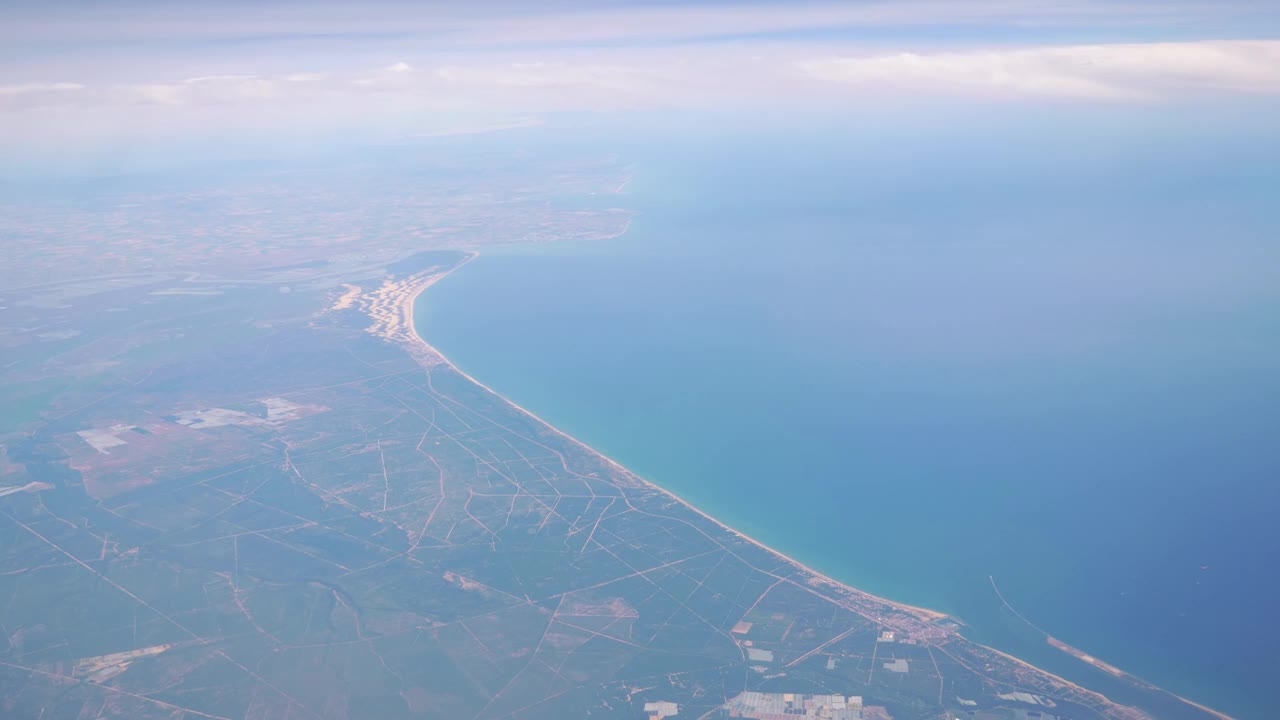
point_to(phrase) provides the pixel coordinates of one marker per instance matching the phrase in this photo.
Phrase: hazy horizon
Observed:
(925, 293)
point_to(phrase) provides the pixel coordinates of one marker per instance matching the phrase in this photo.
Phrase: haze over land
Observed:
(968, 306)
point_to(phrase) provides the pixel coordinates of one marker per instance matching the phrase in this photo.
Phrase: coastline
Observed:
(428, 354)
(410, 300)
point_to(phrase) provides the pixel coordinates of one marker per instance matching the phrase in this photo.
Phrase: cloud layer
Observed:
(1089, 72)
(739, 74)
(172, 66)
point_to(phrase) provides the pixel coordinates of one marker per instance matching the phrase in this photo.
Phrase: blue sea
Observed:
(1044, 353)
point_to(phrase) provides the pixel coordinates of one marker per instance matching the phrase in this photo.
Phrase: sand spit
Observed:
(391, 309)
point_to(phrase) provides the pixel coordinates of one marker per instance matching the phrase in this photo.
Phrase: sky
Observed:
(78, 77)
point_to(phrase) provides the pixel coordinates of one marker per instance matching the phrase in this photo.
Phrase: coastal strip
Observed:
(408, 300)
(393, 306)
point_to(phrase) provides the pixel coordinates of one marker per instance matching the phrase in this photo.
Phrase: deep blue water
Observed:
(1049, 356)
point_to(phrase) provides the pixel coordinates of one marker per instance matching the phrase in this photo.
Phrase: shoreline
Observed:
(410, 300)
(419, 344)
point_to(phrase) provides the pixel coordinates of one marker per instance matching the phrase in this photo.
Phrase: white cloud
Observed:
(201, 90)
(154, 94)
(219, 79)
(738, 75)
(399, 75)
(1087, 72)
(405, 65)
(744, 76)
(33, 87)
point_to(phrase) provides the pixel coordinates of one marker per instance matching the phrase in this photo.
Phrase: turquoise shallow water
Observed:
(1063, 373)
